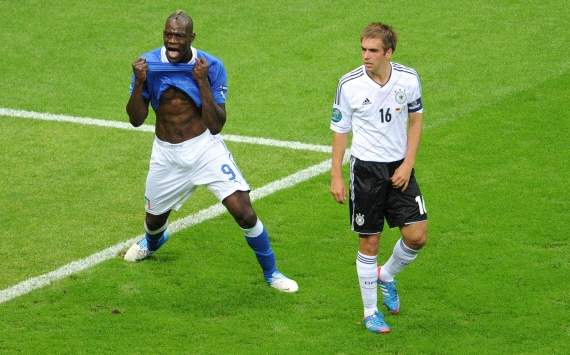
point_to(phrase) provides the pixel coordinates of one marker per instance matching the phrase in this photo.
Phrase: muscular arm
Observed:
(213, 114)
(337, 188)
(401, 176)
(137, 106)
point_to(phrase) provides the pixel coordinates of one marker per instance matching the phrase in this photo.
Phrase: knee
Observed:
(416, 240)
(245, 217)
(369, 244)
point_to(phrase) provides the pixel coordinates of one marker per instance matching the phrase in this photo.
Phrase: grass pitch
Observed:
(492, 166)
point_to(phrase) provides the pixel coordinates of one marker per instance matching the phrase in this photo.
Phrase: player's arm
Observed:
(401, 176)
(137, 106)
(337, 188)
(213, 114)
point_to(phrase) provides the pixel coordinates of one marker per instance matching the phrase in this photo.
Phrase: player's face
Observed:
(177, 41)
(373, 54)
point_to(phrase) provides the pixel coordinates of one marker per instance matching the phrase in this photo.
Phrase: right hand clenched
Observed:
(140, 68)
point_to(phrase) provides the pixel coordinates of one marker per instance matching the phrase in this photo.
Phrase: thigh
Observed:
(368, 187)
(219, 172)
(167, 184)
(406, 207)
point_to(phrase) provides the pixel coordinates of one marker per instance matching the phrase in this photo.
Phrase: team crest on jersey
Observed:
(359, 219)
(400, 96)
(336, 115)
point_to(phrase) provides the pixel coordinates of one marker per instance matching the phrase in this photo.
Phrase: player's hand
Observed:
(140, 68)
(401, 177)
(200, 70)
(338, 190)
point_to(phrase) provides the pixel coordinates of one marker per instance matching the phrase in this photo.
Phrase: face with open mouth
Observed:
(178, 37)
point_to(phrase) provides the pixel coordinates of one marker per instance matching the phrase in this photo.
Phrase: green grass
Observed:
(493, 169)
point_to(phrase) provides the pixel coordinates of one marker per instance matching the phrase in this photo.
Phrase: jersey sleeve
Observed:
(341, 118)
(415, 102)
(219, 83)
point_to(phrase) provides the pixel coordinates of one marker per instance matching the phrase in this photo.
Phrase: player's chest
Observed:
(380, 105)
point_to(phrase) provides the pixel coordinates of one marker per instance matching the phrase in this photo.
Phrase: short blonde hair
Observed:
(382, 31)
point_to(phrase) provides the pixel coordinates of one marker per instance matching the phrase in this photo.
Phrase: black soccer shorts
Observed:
(372, 198)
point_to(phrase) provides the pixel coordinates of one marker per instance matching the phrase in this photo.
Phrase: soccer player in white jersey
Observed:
(380, 102)
(187, 89)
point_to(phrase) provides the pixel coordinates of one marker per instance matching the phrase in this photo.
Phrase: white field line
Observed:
(149, 128)
(213, 211)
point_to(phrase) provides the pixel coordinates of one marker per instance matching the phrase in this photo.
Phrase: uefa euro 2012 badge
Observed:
(400, 96)
(336, 115)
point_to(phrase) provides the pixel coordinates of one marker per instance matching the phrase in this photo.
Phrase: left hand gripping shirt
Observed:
(162, 75)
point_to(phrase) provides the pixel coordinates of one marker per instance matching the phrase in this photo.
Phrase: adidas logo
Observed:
(366, 102)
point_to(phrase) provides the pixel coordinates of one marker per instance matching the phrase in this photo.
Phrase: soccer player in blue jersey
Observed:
(187, 89)
(380, 103)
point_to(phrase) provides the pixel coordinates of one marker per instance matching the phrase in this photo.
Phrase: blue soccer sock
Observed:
(258, 240)
(153, 237)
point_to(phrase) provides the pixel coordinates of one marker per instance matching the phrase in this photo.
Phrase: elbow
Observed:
(135, 119)
(136, 123)
(216, 129)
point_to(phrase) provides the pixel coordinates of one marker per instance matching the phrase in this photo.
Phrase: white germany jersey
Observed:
(377, 115)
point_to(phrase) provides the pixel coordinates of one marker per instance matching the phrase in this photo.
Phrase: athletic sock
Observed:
(152, 237)
(401, 256)
(258, 240)
(367, 278)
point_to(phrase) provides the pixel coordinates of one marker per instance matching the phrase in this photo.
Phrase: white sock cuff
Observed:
(155, 232)
(406, 249)
(366, 260)
(254, 231)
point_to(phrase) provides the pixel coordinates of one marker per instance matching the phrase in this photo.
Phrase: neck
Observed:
(382, 74)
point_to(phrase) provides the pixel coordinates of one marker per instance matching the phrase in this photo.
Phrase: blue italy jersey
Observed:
(162, 75)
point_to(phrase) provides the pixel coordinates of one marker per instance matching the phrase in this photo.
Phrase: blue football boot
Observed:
(390, 296)
(376, 324)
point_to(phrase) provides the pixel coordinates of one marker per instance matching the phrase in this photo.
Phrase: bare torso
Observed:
(177, 117)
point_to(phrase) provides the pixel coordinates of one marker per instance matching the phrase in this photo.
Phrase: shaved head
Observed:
(182, 17)
(178, 36)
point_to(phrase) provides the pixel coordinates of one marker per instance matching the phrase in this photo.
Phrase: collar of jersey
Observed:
(392, 76)
(165, 60)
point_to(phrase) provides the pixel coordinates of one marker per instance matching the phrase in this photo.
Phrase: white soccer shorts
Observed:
(176, 170)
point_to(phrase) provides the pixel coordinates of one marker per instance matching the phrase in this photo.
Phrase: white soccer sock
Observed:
(367, 276)
(401, 256)
(254, 231)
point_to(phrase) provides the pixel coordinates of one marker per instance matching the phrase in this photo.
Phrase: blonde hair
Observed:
(382, 31)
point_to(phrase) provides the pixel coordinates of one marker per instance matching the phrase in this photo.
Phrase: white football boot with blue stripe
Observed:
(282, 283)
(139, 250)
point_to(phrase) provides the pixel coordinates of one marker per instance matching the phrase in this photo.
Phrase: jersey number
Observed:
(226, 169)
(421, 204)
(385, 117)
